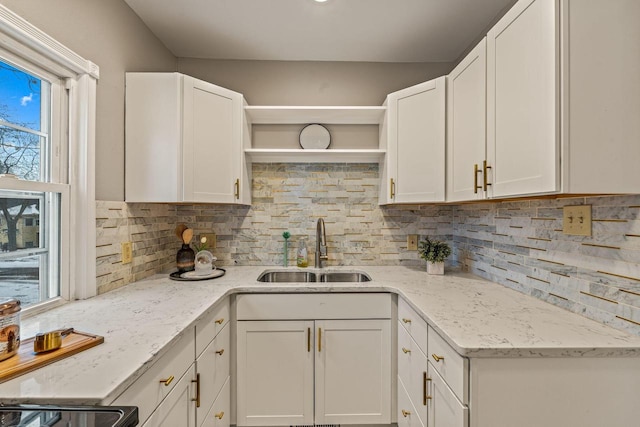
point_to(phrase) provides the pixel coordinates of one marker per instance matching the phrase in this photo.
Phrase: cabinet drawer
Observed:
(445, 409)
(213, 368)
(178, 408)
(147, 391)
(453, 368)
(413, 323)
(413, 371)
(209, 325)
(406, 412)
(220, 413)
(313, 306)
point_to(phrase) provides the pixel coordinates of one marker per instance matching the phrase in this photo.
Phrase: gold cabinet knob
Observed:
(219, 321)
(405, 413)
(405, 350)
(167, 381)
(437, 358)
(406, 320)
(219, 415)
(220, 352)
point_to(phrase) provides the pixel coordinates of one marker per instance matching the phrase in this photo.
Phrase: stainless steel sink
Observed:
(345, 276)
(287, 276)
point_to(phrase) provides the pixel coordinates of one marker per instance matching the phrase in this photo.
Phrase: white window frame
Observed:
(78, 220)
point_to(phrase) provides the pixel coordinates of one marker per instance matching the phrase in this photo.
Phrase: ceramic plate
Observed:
(191, 276)
(315, 137)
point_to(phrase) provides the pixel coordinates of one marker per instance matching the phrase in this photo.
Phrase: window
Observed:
(31, 217)
(47, 102)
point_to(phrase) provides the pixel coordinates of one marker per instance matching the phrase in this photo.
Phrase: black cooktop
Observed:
(68, 416)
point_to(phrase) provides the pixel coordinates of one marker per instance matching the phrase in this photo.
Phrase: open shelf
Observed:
(324, 115)
(282, 155)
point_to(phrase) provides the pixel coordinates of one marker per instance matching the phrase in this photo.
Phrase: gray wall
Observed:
(312, 83)
(109, 34)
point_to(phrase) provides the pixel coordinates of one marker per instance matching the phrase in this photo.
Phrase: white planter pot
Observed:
(435, 267)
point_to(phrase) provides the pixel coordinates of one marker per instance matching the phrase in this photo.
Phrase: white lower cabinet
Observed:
(424, 396)
(275, 373)
(189, 385)
(177, 409)
(213, 368)
(220, 413)
(313, 371)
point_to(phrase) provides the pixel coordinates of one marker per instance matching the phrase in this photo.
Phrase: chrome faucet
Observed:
(321, 244)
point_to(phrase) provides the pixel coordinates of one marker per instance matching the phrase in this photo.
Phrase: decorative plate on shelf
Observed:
(315, 137)
(191, 276)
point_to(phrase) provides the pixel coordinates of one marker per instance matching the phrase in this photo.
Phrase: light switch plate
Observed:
(211, 240)
(127, 252)
(412, 242)
(576, 220)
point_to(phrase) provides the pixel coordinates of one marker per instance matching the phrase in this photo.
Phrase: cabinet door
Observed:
(353, 372)
(275, 373)
(522, 131)
(220, 413)
(416, 143)
(413, 373)
(466, 126)
(212, 142)
(445, 409)
(213, 370)
(177, 409)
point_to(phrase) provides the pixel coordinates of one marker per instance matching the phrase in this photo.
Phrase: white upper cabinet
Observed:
(563, 99)
(184, 141)
(466, 126)
(414, 134)
(522, 125)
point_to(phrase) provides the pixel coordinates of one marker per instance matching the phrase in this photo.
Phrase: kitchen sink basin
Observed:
(345, 276)
(288, 276)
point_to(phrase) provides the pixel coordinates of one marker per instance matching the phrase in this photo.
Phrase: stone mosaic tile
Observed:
(597, 276)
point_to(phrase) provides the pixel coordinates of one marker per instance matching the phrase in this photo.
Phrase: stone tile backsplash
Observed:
(291, 197)
(148, 226)
(519, 244)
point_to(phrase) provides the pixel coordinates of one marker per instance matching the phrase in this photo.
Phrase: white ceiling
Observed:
(337, 30)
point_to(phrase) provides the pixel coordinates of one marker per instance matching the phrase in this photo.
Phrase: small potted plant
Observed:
(434, 252)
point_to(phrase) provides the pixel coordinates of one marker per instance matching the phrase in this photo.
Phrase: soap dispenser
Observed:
(301, 257)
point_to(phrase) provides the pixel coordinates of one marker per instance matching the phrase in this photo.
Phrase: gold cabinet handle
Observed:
(484, 168)
(219, 321)
(405, 413)
(220, 352)
(406, 320)
(219, 415)
(168, 381)
(236, 191)
(392, 188)
(197, 398)
(425, 397)
(476, 171)
(308, 340)
(437, 358)
(405, 350)
(319, 340)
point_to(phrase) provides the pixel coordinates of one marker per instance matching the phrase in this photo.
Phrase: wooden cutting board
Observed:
(26, 360)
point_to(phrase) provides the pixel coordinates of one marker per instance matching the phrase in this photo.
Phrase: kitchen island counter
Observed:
(141, 321)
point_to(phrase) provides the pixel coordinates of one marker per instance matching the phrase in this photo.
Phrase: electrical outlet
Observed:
(211, 239)
(127, 253)
(576, 220)
(412, 242)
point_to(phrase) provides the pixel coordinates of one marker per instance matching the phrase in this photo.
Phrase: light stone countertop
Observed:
(142, 320)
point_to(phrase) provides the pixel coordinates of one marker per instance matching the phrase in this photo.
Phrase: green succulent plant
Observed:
(434, 250)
